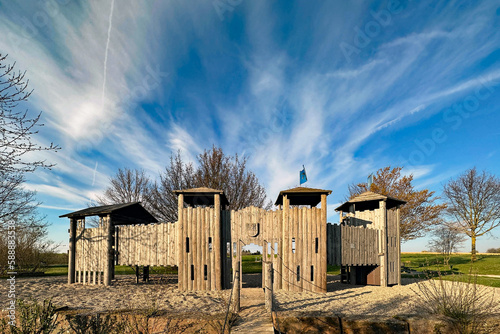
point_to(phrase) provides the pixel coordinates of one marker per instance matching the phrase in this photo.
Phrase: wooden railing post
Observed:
(109, 267)
(72, 251)
(269, 286)
(237, 289)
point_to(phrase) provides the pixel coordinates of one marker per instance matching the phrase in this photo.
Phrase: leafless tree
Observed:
(17, 127)
(419, 213)
(178, 175)
(127, 185)
(215, 170)
(17, 131)
(474, 201)
(446, 239)
(229, 173)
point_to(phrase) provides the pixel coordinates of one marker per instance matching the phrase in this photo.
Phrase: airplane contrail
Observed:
(106, 52)
(95, 170)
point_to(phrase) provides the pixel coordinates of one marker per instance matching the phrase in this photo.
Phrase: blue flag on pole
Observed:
(303, 176)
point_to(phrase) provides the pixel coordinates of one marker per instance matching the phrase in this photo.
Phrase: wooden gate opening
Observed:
(252, 266)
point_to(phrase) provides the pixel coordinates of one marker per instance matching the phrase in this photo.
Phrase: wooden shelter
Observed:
(92, 251)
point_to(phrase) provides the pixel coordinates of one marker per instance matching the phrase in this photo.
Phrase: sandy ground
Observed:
(341, 299)
(123, 294)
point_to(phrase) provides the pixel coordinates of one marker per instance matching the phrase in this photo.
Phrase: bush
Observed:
(461, 302)
(95, 324)
(493, 250)
(33, 318)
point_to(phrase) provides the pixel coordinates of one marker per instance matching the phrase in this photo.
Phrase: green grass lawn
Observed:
(460, 264)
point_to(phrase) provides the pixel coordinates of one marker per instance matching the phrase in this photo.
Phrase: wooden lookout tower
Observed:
(203, 229)
(372, 211)
(304, 238)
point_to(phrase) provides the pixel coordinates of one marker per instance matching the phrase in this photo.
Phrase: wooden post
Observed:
(237, 290)
(72, 251)
(108, 268)
(181, 244)
(217, 243)
(269, 286)
(322, 243)
(383, 260)
(398, 241)
(285, 248)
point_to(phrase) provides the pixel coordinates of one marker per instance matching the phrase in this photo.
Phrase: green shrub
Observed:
(33, 318)
(461, 302)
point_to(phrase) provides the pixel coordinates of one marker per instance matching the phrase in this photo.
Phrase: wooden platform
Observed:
(254, 318)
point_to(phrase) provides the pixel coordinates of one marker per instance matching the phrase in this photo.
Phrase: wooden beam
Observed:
(109, 267)
(72, 251)
(398, 241)
(322, 242)
(217, 243)
(384, 258)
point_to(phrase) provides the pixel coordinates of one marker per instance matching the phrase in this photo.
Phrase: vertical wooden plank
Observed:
(323, 235)
(277, 232)
(398, 241)
(196, 251)
(383, 264)
(217, 242)
(72, 251)
(286, 236)
(299, 247)
(189, 225)
(311, 254)
(208, 252)
(203, 248)
(306, 249)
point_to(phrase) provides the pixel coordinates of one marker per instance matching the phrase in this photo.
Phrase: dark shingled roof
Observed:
(125, 213)
(369, 196)
(202, 196)
(302, 196)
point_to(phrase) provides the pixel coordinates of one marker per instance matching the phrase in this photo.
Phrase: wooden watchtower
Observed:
(375, 211)
(203, 237)
(304, 238)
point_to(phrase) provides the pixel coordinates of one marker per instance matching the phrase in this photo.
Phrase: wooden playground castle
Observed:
(206, 242)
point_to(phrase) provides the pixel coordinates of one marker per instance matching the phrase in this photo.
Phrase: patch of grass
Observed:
(460, 263)
(251, 264)
(333, 270)
(56, 270)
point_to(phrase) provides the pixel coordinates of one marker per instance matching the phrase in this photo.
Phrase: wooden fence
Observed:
(352, 246)
(91, 255)
(146, 245)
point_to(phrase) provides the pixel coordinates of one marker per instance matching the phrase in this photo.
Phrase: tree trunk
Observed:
(473, 248)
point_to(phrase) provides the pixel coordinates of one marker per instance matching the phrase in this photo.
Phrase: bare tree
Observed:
(420, 211)
(447, 238)
(474, 201)
(215, 170)
(18, 206)
(127, 185)
(17, 127)
(178, 175)
(230, 173)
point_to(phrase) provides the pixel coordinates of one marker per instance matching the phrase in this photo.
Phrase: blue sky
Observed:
(344, 88)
